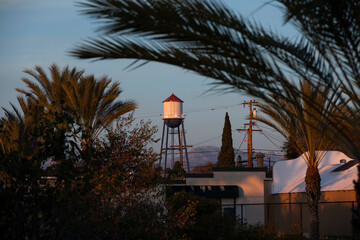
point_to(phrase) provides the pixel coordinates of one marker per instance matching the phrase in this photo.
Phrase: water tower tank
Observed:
(173, 111)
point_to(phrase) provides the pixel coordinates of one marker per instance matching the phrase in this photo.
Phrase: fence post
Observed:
(268, 213)
(234, 208)
(352, 219)
(242, 214)
(301, 225)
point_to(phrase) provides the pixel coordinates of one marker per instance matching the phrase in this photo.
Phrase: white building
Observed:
(255, 197)
(233, 187)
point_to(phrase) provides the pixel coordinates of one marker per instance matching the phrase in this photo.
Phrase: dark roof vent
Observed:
(345, 166)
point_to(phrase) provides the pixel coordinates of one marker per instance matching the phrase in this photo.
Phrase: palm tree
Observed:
(299, 126)
(94, 103)
(27, 137)
(209, 39)
(90, 101)
(18, 127)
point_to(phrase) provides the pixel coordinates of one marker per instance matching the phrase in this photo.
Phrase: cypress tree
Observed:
(226, 156)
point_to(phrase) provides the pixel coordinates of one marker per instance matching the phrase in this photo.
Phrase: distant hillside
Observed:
(204, 154)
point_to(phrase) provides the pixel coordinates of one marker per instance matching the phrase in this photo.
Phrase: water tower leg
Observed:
(167, 144)
(180, 149)
(178, 132)
(162, 144)
(172, 143)
(179, 139)
(186, 152)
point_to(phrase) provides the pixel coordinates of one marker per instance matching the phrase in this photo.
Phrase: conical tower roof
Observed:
(173, 98)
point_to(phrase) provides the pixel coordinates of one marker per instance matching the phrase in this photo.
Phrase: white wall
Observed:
(251, 190)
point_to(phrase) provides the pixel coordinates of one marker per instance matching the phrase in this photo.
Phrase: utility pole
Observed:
(181, 154)
(249, 131)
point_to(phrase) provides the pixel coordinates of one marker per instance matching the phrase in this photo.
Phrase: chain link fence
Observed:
(335, 217)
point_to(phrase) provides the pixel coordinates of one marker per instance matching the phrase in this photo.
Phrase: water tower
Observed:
(173, 119)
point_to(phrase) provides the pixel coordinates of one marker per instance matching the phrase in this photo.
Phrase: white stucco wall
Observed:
(251, 191)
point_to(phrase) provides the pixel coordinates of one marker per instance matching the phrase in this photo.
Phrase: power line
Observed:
(271, 135)
(271, 141)
(210, 139)
(250, 131)
(242, 141)
(191, 110)
(269, 150)
(214, 108)
(275, 138)
(270, 129)
(266, 127)
(207, 140)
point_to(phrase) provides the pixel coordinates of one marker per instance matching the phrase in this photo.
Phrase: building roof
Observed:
(288, 175)
(173, 98)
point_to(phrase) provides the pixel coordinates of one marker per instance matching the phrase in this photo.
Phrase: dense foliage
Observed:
(59, 179)
(226, 156)
(193, 215)
(175, 172)
(76, 198)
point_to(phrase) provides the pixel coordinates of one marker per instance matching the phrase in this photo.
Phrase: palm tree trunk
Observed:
(312, 181)
(356, 219)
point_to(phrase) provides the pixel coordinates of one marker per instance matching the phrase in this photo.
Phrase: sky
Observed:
(42, 32)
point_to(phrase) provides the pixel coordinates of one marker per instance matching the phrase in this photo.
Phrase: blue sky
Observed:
(41, 32)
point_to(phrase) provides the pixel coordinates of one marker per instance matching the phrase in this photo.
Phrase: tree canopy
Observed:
(226, 156)
(92, 102)
(50, 172)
